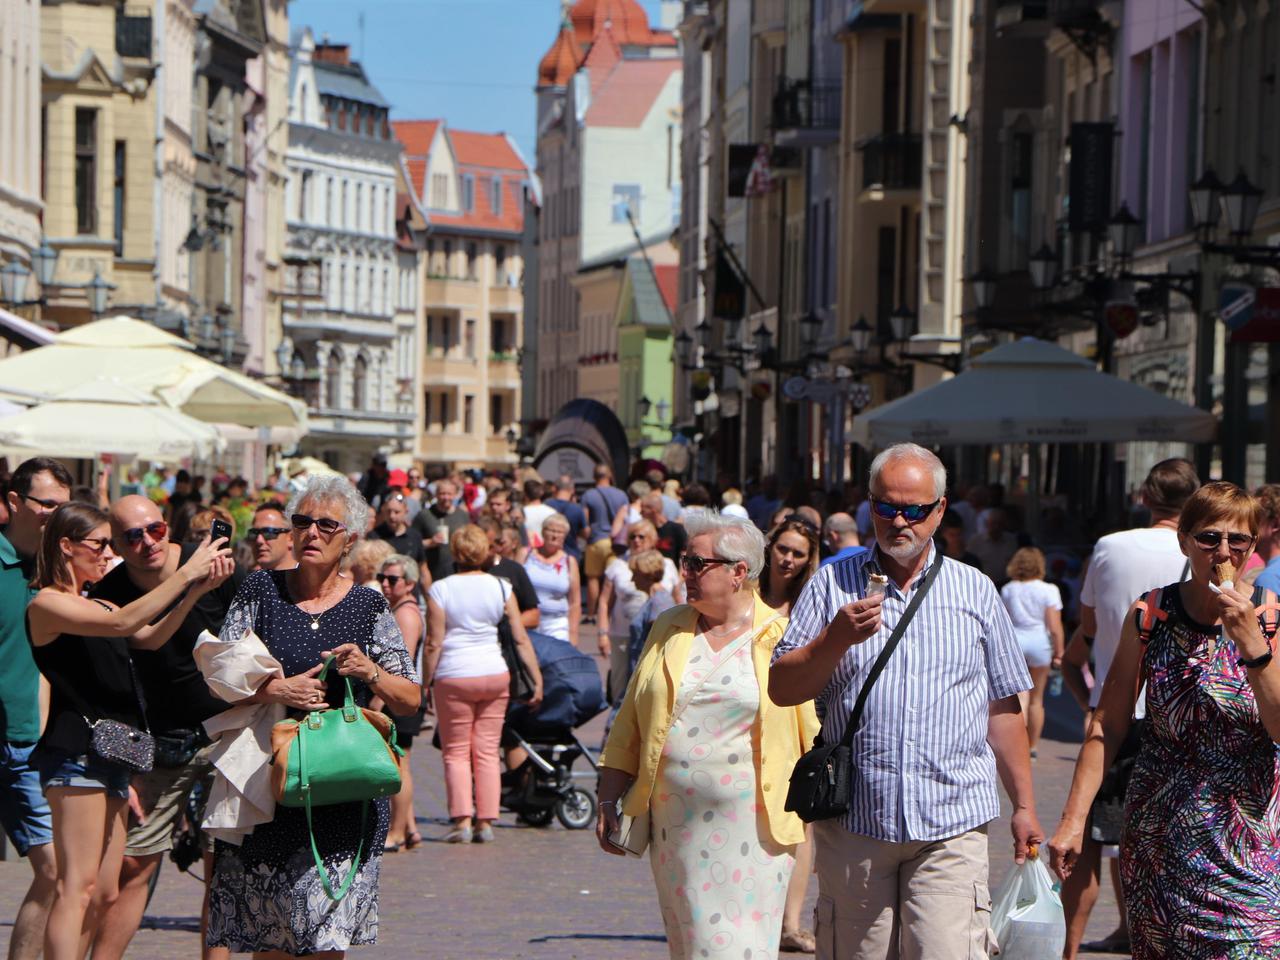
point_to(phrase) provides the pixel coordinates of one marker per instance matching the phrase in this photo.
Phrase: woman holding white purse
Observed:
(700, 751)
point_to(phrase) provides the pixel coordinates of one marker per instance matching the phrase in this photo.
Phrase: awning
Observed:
(23, 332)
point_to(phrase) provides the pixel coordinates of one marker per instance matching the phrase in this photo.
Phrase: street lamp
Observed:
(663, 408)
(208, 328)
(1204, 196)
(645, 405)
(684, 349)
(703, 332)
(99, 289)
(1043, 267)
(984, 288)
(1125, 230)
(283, 353)
(901, 322)
(299, 369)
(763, 339)
(13, 282)
(860, 336)
(228, 343)
(810, 327)
(1240, 202)
(512, 437)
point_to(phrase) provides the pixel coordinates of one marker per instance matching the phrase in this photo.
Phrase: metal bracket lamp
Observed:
(1237, 203)
(15, 275)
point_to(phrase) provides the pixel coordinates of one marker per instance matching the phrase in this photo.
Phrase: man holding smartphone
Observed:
(177, 703)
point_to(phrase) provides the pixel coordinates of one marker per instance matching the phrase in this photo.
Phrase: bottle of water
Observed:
(1055, 682)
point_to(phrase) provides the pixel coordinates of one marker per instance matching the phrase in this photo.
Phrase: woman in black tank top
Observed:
(82, 648)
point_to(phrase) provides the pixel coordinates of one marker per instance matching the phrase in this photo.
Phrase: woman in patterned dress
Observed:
(267, 896)
(700, 747)
(1200, 855)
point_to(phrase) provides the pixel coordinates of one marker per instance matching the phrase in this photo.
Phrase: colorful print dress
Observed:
(1200, 857)
(721, 886)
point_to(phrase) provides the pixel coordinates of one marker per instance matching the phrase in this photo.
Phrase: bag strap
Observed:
(1148, 612)
(749, 636)
(917, 598)
(1268, 610)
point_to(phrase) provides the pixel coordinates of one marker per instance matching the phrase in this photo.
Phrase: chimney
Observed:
(336, 53)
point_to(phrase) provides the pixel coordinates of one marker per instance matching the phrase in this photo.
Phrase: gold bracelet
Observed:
(377, 675)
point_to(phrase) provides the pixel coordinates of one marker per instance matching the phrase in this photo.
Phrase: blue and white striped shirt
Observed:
(922, 768)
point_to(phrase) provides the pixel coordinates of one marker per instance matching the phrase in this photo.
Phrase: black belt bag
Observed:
(823, 777)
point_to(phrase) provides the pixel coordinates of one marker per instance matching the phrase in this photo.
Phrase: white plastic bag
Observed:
(1026, 918)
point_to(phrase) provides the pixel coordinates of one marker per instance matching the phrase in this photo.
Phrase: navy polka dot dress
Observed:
(267, 894)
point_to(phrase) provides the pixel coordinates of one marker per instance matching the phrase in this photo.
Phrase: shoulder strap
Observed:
(747, 637)
(1268, 610)
(855, 718)
(1148, 612)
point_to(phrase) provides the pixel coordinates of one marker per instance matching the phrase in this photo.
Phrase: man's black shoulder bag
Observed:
(822, 779)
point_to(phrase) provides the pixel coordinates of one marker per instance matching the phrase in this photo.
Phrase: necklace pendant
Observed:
(315, 624)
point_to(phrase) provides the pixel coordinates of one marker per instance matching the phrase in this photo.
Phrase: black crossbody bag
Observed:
(822, 779)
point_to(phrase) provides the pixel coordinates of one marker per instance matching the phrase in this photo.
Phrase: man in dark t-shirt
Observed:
(436, 524)
(513, 573)
(177, 703)
(672, 536)
(394, 529)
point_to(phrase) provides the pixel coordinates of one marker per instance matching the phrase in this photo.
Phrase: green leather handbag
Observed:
(335, 756)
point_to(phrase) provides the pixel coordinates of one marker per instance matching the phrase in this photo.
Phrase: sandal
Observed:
(1116, 943)
(391, 848)
(412, 840)
(798, 941)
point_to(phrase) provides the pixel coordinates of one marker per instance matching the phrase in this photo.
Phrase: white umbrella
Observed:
(146, 357)
(107, 416)
(1033, 392)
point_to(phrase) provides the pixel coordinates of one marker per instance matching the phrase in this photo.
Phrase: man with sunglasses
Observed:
(1124, 566)
(904, 872)
(177, 703)
(36, 489)
(270, 539)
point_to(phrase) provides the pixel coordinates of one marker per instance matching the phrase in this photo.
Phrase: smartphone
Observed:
(220, 530)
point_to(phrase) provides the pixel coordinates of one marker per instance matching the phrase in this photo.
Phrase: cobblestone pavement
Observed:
(535, 893)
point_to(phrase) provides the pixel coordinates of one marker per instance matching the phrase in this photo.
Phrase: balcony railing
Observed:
(891, 161)
(806, 105)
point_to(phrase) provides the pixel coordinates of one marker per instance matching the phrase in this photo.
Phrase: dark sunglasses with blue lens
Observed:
(911, 512)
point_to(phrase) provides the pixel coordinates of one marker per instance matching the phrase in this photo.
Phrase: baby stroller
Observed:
(543, 784)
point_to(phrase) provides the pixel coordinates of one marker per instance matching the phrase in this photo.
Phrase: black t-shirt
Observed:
(177, 696)
(426, 523)
(521, 585)
(672, 539)
(408, 543)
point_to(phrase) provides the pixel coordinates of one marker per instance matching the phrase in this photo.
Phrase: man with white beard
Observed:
(904, 872)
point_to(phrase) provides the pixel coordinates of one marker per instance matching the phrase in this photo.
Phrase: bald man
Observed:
(841, 534)
(178, 703)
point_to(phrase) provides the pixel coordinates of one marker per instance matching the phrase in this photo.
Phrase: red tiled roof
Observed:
(416, 136)
(626, 20)
(627, 95)
(668, 277)
(561, 62)
(484, 150)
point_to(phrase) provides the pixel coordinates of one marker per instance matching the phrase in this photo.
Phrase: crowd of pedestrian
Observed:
(921, 626)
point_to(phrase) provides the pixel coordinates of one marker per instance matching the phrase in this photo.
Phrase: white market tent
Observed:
(107, 416)
(1033, 392)
(145, 357)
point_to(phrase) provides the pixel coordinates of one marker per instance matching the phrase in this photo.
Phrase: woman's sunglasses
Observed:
(156, 530)
(391, 578)
(1209, 540)
(326, 526)
(96, 544)
(694, 564)
(911, 512)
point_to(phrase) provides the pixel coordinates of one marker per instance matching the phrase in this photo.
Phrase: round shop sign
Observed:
(795, 388)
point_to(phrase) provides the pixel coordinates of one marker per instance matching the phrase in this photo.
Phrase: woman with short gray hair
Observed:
(275, 893)
(698, 754)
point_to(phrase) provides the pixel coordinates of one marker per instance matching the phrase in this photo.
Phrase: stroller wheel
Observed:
(536, 816)
(576, 809)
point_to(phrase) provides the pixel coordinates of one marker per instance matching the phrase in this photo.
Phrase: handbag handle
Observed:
(855, 718)
(348, 699)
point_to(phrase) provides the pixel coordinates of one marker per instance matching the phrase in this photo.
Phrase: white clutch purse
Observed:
(632, 834)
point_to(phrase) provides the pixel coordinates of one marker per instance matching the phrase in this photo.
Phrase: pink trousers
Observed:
(471, 711)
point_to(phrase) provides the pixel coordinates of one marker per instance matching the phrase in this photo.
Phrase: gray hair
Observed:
(556, 520)
(638, 489)
(332, 488)
(733, 538)
(911, 451)
(407, 564)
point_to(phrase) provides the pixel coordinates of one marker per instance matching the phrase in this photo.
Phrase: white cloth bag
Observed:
(1027, 919)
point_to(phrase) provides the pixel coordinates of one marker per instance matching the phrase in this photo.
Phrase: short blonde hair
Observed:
(469, 547)
(407, 565)
(731, 497)
(643, 526)
(555, 520)
(366, 559)
(647, 564)
(1027, 563)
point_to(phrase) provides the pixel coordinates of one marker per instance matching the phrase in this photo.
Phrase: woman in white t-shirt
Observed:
(1035, 607)
(464, 662)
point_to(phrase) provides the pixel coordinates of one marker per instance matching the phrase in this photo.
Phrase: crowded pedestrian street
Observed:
(535, 894)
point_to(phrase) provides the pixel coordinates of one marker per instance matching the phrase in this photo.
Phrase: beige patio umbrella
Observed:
(146, 357)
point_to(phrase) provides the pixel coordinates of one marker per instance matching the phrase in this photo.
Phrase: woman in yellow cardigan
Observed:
(699, 747)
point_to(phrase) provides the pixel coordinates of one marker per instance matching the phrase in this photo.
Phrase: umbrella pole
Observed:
(1033, 495)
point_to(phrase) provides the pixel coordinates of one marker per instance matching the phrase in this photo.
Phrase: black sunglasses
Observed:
(157, 530)
(266, 533)
(97, 544)
(391, 578)
(692, 563)
(911, 512)
(326, 526)
(1209, 540)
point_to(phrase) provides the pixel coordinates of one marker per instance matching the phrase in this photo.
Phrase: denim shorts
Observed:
(58, 769)
(24, 812)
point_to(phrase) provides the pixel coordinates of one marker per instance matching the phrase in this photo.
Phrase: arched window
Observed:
(333, 381)
(360, 384)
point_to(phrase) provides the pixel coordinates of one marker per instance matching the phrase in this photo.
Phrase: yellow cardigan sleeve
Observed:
(622, 749)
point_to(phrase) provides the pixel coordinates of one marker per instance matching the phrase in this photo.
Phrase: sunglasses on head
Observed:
(157, 530)
(1209, 540)
(266, 533)
(326, 526)
(911, 512)
(391, 578)
(97, 544)
(694, 564)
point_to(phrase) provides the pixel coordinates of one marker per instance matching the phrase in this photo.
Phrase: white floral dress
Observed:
(721, 884)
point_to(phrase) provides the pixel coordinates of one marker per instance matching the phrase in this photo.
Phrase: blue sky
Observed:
(472, 62)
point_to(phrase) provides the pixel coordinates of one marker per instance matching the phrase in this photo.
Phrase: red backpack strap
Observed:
(1148, 613)
(1267, 607)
